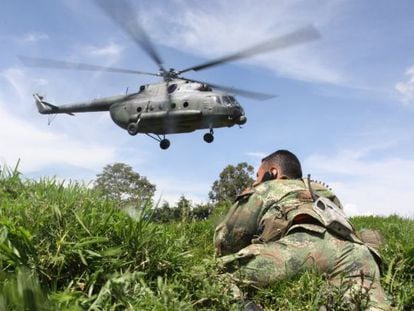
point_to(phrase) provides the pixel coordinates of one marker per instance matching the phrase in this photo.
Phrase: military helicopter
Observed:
(175, 105)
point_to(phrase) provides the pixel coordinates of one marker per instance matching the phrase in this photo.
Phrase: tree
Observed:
(163, 214)
(201, 211)
(119, 182)
(232, 181)
(184, 208)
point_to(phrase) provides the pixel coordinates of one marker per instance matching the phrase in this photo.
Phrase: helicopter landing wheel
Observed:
(132, 129)
(208, 138)
(164, 144)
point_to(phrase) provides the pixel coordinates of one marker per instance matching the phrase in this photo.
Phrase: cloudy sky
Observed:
(344, 105)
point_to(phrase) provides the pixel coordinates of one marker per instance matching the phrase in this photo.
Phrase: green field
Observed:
(63, 247)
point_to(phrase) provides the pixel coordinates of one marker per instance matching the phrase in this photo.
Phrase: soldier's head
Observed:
(281, 164)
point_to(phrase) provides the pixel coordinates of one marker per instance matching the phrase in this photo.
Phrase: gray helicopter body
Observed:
(188, 106)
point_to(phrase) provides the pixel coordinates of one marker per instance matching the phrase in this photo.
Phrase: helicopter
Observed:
(176, 104)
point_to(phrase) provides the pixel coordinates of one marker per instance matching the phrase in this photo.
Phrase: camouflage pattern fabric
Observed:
(300, 250)
(297, 241)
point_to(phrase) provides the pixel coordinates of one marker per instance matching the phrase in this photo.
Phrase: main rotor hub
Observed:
(168, 75)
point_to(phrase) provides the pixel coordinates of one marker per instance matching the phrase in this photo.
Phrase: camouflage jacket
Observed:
(268, 212)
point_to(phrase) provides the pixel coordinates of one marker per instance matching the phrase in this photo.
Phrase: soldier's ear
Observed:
(275, 172)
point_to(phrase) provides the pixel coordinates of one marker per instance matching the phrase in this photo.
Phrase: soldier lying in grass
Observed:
(285, 225)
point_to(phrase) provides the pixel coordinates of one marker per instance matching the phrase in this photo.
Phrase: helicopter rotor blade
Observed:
(296, 37)
(121, 12)
(241, 92)
(59, 64)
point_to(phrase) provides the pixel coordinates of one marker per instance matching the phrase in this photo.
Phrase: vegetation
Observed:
(65, 247)
(119, 182)
(183, 211)
(232, 181)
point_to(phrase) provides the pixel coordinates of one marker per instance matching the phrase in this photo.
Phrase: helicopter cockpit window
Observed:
(226, 100)
(232, 99)
(217, 99)
(172, 88)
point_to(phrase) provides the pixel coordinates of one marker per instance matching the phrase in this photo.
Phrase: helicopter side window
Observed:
(172, 88)
(218, 100)
(141, 88)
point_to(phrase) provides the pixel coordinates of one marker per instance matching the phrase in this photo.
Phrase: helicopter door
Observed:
(208, 104)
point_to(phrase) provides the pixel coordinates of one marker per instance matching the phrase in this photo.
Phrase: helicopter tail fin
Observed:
(44, 107)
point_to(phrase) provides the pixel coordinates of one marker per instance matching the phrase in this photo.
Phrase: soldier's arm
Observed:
(240, 225)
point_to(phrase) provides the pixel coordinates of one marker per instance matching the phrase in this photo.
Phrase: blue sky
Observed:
(345, 103)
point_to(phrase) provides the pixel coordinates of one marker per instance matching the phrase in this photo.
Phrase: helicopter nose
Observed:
(242, 120)
(238, 115)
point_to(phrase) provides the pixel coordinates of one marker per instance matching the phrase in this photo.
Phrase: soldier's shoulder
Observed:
(277, 188)
(245, 194)
(259, 190)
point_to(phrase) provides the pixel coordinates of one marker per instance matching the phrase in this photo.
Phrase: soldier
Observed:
(285, 225)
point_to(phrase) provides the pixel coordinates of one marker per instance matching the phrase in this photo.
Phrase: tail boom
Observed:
(101, 104)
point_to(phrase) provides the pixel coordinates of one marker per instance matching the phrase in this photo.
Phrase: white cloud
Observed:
(17, 83)
(33, 37)
(364, 185)
(108, 55)
(14, 76)
(406, 88)
(256, 155)
(171, 188)
(21, 138)
(112, 49)
(37, 148)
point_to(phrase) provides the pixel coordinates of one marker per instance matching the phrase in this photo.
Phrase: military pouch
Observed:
(273, 226)
(372, 238)
(273, 229)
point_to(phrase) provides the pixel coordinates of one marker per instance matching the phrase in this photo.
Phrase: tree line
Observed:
(119, 182)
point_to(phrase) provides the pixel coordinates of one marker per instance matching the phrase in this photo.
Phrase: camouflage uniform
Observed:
(272, 232)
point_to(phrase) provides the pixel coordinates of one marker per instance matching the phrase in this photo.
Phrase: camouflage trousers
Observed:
(301, 250)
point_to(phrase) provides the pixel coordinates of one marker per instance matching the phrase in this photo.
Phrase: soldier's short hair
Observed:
(287, 161)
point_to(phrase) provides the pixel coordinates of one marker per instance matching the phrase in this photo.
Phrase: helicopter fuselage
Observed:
(179, 107)
(176, 106)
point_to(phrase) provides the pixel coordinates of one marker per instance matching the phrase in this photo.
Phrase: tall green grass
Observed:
(64, 247)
